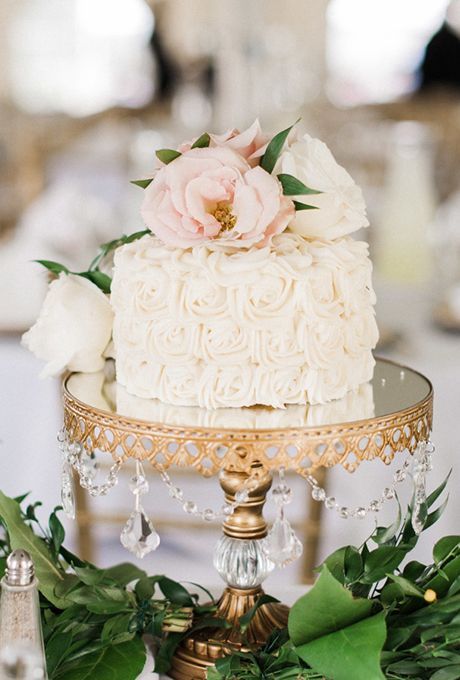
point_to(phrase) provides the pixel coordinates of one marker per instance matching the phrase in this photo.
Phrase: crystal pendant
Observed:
(281, 544)
(139, 535)
(420, 468)
(68, 491)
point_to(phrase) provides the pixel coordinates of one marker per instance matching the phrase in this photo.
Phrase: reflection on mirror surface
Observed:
(392, 389)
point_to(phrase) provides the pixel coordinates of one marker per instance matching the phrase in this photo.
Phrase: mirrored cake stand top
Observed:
(390, 414)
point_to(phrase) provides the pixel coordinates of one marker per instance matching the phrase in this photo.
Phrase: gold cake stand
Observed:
(396, 417)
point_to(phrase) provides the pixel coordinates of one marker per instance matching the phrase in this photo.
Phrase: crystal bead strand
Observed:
(281, 544)
(73, 453)
(422, 463)
(139, 535)
(208, 514)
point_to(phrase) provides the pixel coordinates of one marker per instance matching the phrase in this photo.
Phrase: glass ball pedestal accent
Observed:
(242, 563)
(245, 447)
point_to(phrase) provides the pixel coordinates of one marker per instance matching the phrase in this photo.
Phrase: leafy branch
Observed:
(94, 274)
(371, 614)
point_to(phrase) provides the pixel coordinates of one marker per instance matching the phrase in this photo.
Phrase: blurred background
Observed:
(90, 88)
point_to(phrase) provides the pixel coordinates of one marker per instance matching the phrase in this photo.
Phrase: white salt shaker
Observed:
(22, 654)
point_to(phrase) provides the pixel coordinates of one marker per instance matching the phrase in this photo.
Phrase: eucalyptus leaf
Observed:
(274, 148)
(167, 155)
(49, 573)
(202, 141)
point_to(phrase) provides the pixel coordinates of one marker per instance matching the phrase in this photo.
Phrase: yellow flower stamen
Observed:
(430, 596)
(223, 214)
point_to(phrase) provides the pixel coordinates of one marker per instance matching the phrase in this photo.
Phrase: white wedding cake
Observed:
(211, 326)
(245, 289)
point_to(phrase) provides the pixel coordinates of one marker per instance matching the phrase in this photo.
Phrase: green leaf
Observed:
(350, 652)
(448, 673)
(381, 561)
(101, 280)
(435, 515)
(384, 534)
(326, 608)
(406, 586)
(57, 530)
(174, 592)
(144, 588)
(167, 155)
(273, 150)
(124, 573)
(165, 653)
(89, 575)
(446, 547)
(114, 662)
(142, 183)
(53, 267)
(202, 141)
(246, 619)
(48, 571)
(434, 495)
(117, 625)
(294, 187)
(414, 570)
(304, 206)
(135, 236)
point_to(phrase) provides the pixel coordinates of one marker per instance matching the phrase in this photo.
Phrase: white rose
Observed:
(341, 207)
(74, 327)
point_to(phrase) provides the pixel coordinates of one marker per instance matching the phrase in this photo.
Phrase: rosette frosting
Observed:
(212, 326)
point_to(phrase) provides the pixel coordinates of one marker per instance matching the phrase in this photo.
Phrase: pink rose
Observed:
(213, 193)
(251, 143)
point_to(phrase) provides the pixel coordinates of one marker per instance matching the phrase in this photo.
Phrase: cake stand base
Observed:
(201, 650)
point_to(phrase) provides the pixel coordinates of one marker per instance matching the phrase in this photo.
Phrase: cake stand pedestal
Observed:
(396, 417)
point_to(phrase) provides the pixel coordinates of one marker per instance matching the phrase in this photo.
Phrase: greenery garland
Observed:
(367, 617)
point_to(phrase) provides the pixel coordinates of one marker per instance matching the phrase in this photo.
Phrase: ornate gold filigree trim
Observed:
(209, 450)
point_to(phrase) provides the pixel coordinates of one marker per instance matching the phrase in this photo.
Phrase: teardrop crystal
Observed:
(281, 544)
(139, 535)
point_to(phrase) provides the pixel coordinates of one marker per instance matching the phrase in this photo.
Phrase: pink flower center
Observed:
(223, 214)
